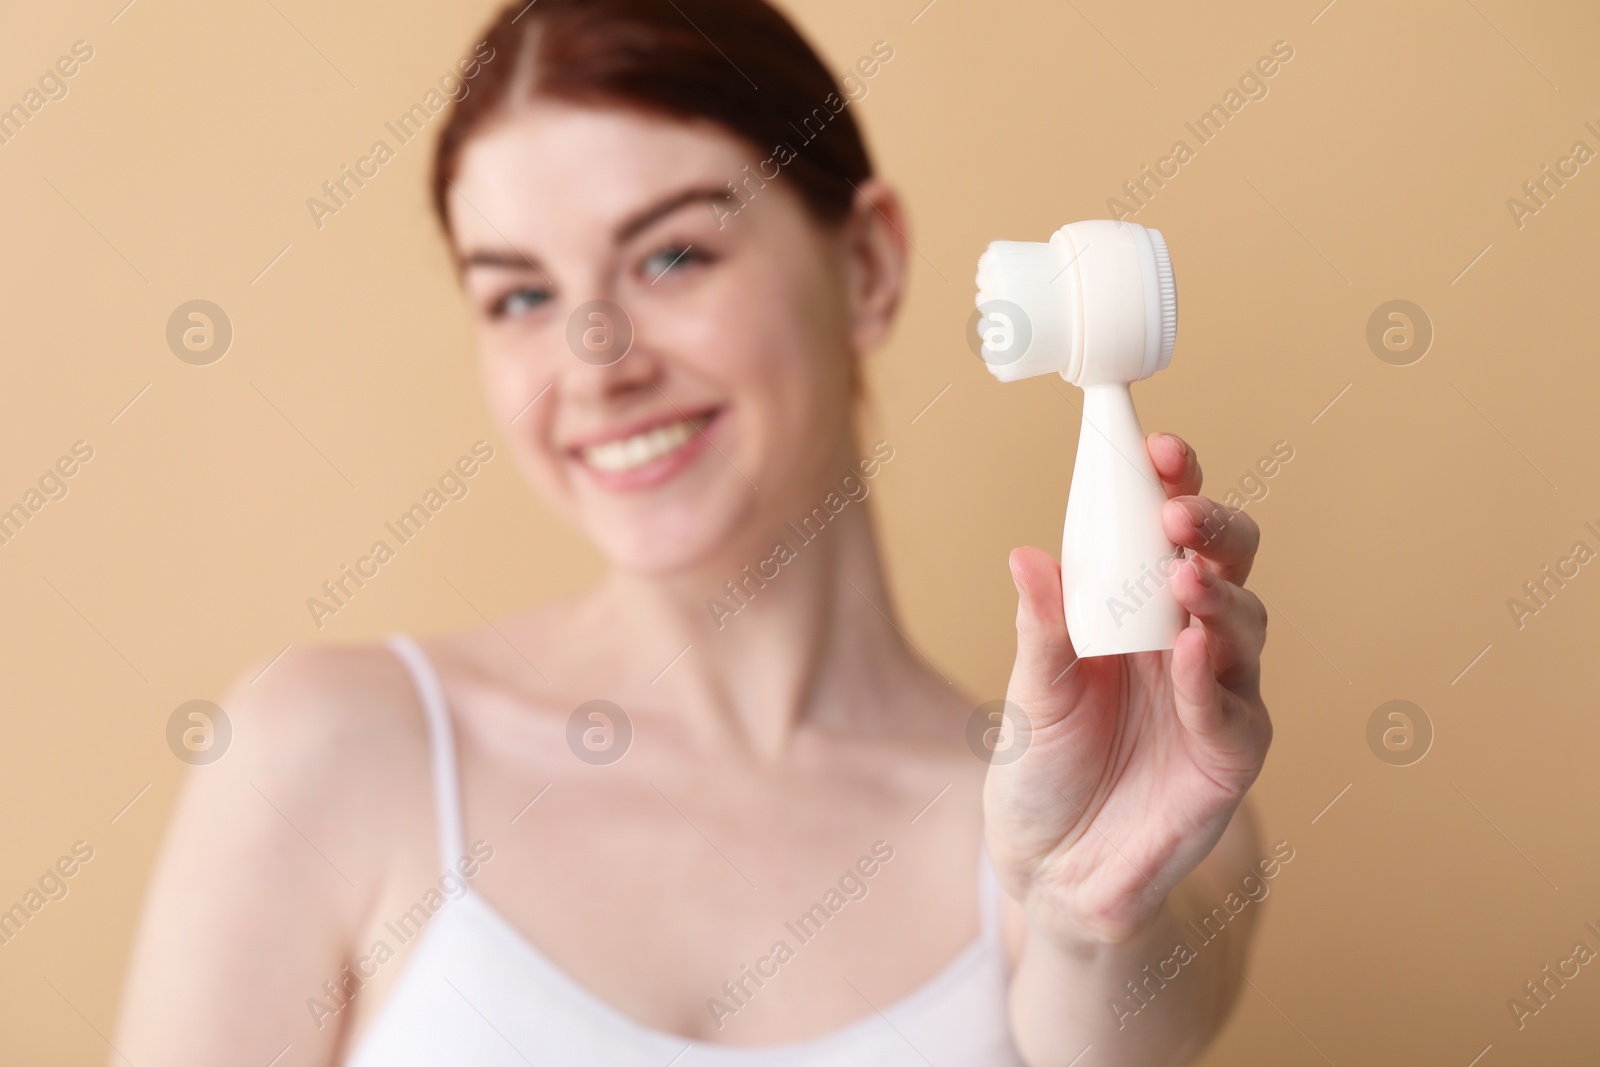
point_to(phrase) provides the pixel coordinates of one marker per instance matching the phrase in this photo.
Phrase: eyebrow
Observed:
(641, 220)
(628, 228)
(511, 259)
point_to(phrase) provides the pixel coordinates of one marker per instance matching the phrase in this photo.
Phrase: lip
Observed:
(658, 470)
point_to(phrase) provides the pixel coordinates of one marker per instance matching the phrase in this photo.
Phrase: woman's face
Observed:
(733, 401)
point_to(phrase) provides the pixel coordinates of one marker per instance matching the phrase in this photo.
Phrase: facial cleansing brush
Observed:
(1096, 304)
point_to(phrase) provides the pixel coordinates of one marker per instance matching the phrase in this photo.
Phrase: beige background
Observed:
(1378, 168)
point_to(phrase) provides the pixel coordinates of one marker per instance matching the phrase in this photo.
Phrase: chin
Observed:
(675, 528)
(662, 547)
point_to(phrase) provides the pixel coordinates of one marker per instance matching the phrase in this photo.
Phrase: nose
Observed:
(606, 361)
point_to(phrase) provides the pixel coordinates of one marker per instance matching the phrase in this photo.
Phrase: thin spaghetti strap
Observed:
(446, 790)
(988, 898)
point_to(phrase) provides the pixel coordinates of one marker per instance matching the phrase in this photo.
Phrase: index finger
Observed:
(1176, 464)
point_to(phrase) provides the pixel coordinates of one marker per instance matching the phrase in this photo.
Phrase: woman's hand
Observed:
(1135, 763)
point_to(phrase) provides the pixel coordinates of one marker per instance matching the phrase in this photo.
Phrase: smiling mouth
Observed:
(643, 448)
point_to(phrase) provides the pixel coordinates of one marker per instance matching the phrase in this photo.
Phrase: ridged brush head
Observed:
(1028, 320)
(1168, 290)
(1097, 303)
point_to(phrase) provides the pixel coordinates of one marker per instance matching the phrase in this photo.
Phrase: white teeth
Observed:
(641, 448)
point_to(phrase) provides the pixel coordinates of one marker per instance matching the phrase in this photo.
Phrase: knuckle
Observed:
(1258, 611)
(1213, 519)
(1249, 531)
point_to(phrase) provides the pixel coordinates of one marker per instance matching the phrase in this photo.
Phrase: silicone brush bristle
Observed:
(1030, 276)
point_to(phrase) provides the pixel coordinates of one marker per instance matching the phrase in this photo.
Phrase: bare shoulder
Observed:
(329, 707)
(276, 853)
(545, 659)
(327, 752)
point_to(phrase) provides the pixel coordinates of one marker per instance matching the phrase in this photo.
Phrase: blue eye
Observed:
(519, 302)
(671, 258)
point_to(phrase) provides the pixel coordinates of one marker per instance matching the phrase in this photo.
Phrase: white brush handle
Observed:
(1115, 559)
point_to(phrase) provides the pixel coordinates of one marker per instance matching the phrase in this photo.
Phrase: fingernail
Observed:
(1205, 576)
(1195, 510)
(1177, 442)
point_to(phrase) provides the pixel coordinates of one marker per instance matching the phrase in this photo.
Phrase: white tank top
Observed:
(477, 991)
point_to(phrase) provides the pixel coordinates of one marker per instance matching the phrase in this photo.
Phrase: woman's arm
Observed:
(1118, 825)
(260, 884)
(1185, 968)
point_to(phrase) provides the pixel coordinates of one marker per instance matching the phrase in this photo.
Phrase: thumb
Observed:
(1043, 672)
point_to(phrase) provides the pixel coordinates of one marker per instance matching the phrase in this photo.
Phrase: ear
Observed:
(875, 247)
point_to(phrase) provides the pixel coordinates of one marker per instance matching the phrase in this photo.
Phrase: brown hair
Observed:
(738, 63)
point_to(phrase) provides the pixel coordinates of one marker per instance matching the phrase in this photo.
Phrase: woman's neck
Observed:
(750, 649)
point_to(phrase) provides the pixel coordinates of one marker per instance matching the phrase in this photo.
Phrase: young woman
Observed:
(774, 845)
